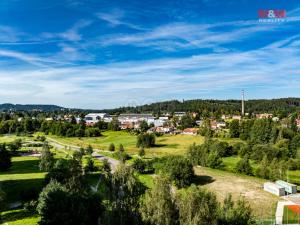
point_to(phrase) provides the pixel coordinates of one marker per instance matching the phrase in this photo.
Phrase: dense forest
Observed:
(19, 107)
(280, 106)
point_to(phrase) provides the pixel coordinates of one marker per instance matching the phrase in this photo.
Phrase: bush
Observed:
(142, 152)
(89, 150)
(146, 140)
(139, 165)
(179, 170)
(122, 156)
(243, 166)
(121, 148)
(90, 165)
(111, 147)
(30, 206)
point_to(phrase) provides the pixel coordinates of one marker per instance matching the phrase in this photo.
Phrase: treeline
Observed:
(60, 128)
(268, 144)
(281, 107)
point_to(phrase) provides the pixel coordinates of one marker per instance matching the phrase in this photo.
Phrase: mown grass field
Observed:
(165, 145)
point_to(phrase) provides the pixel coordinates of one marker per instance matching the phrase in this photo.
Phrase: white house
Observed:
(179, 114)
(93, 118)
(221, 125)
(136, 118)
(161, 121)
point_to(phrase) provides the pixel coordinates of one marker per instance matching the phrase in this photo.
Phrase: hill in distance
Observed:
(29, 107)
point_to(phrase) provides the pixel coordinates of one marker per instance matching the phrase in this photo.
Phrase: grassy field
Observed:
(223, 183)
(166, 145)
(290, 217)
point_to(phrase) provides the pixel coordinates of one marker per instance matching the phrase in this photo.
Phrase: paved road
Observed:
(113, 162)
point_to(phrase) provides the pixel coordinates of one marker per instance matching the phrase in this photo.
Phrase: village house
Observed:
(264, 116)
(163, 130)
(161, 121)
(298, 122)
(221, 125)
(199, 122)
(236, 117)
(213, 124)
(179, 114)
(190, 131)
(225, 117)
(133, 120)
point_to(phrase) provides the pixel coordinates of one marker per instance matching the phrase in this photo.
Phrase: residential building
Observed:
(161, 121)
(236, 117)
(136, 118)
(179, 114)
(264, 115)
(190, 131)
(220, 125)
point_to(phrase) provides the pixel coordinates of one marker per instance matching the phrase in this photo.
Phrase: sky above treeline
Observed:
(110, 53)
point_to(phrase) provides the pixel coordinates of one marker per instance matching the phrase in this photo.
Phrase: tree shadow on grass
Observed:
(16, 215)
(202, 180)
(22, 167)
(166, 145)
(22, 190)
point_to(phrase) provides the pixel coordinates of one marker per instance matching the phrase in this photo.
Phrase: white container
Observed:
(274, 189)
(289, 188)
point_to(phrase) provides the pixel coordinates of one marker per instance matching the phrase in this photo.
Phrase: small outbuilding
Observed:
(289, 188)
(274, 189)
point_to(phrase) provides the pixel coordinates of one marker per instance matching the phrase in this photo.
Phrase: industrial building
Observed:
(280, 188)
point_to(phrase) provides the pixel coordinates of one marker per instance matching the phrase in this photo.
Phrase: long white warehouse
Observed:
(289, 188)
(274, 189)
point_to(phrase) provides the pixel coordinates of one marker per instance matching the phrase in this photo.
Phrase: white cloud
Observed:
(72, 34)
(122, 83)
(116, 18)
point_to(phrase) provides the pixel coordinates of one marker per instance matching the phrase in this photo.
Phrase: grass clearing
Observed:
(166, 144)
(223, 183)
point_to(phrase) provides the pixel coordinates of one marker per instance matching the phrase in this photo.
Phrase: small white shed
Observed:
(274, 189)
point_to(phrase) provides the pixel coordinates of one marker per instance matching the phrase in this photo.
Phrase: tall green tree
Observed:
(126, 190)
(158, 205)
(179, 170)
(235, 213)
(234, 129)
(47, 158)
(243, 166)
(197, 206)
(57, 205)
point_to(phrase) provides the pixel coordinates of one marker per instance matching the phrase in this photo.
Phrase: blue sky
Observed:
(104, 54)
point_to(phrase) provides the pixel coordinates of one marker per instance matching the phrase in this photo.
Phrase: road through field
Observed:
(113, 162)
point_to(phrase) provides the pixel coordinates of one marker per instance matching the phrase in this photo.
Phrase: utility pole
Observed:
(243, 103)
